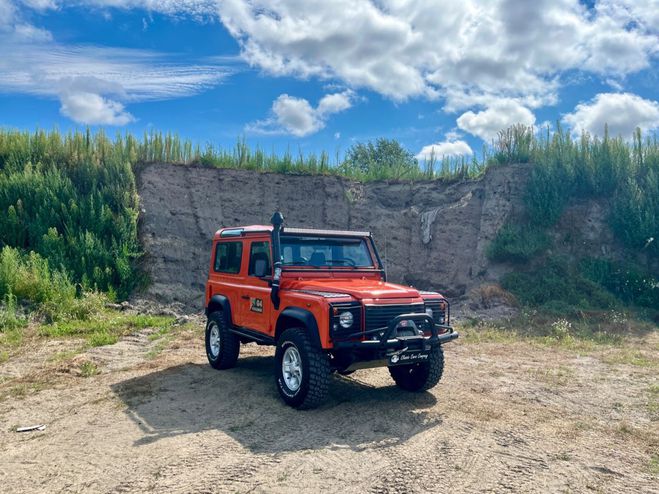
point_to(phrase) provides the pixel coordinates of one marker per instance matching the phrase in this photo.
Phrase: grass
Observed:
(88, 369)
(585, 333)
(653, 401)
(555, 376)
(637, 358)
(106, 328)
(653, 465)
(165, 336)
(69, 206)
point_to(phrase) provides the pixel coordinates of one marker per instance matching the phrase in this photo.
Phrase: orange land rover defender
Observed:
(325, 304)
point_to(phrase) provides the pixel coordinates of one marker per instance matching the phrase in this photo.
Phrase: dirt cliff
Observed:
(430, 234)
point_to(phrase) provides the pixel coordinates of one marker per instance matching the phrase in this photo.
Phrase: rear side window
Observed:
(228, 256)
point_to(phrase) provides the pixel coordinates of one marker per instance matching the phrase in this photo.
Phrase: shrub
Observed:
(517, 243)
(11, 317)
(514, 145)
(555, 284)
(29, 279)
(385, 158)
(626, 281)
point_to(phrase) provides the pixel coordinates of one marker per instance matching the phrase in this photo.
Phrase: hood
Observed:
(357, 288)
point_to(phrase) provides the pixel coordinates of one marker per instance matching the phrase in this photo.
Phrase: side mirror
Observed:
(260, 268)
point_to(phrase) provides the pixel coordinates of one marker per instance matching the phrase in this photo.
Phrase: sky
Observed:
(442, 77)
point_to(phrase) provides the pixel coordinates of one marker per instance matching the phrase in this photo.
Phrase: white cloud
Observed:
(93, 109)
(296, 116)
(94, 83)
(511, 49)
(30, 33)
(200, 9)
(485, 52)
(622, 112)
(40, 4)
(500, 115)
(443, 149)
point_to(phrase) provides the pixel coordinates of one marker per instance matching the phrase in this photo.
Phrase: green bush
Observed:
(514, 145)
(517, 243)
(626, 281)
(73, 200)
(627, 175)
(29, 279)
(10, 316)
(555, 284)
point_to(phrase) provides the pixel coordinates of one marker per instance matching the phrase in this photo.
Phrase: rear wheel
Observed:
(422, 376)
(222, 346)
(302, 370)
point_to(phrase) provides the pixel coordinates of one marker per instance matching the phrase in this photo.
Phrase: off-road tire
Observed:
(315, 370)
(422, 376)
(229, 343)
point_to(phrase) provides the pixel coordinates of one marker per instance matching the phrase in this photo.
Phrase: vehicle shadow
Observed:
(243, 403)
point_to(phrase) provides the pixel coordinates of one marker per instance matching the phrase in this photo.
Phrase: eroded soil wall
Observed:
(432, 235)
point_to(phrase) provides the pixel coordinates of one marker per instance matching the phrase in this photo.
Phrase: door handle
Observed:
(246, 297)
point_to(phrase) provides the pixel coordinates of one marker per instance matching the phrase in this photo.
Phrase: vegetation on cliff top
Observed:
(69, 206)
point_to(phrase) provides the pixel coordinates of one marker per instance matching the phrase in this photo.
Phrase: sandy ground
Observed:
(505, 418)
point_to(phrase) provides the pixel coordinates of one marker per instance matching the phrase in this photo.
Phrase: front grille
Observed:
(378, 316)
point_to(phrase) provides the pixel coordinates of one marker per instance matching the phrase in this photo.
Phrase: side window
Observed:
(259, 251)
(228, 256)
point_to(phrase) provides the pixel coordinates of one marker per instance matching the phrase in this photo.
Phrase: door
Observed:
(227, 273)
(255, 298)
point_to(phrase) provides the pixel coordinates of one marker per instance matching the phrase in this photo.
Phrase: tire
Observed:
(308, 387)
(422, 376)
(224, 355)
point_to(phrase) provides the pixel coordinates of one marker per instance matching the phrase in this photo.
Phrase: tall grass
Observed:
(625, 175)
(72, 199)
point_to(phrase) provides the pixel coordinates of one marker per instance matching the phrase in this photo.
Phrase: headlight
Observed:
(429, 311)
(346, 319)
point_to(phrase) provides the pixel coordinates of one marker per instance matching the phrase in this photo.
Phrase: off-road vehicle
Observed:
(325, 304)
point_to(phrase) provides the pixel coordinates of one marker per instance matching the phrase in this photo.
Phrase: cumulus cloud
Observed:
(622, 112)
(93, 109)
(296, 116)
(500, 115)
(508, 49)
(444, 149)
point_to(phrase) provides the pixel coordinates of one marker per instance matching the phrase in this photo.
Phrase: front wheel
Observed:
(302, 370)
(421, 376)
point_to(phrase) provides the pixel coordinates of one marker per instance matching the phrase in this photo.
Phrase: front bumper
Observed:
(390, 340)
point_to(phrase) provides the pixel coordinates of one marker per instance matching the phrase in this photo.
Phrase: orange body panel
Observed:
(250, 296)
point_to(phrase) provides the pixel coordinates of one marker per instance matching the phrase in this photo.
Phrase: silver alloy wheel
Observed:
(291, 368)
(214, 340)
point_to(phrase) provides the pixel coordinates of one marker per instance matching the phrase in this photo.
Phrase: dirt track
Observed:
(506, 418)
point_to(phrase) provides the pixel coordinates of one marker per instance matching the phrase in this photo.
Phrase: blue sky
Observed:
(440, 76)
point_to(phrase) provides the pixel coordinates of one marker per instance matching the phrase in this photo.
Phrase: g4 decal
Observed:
(256, 305)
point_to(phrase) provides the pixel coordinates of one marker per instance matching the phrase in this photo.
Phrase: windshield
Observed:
(325, 251)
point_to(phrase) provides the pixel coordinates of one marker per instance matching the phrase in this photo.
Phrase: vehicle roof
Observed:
(241, 231)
